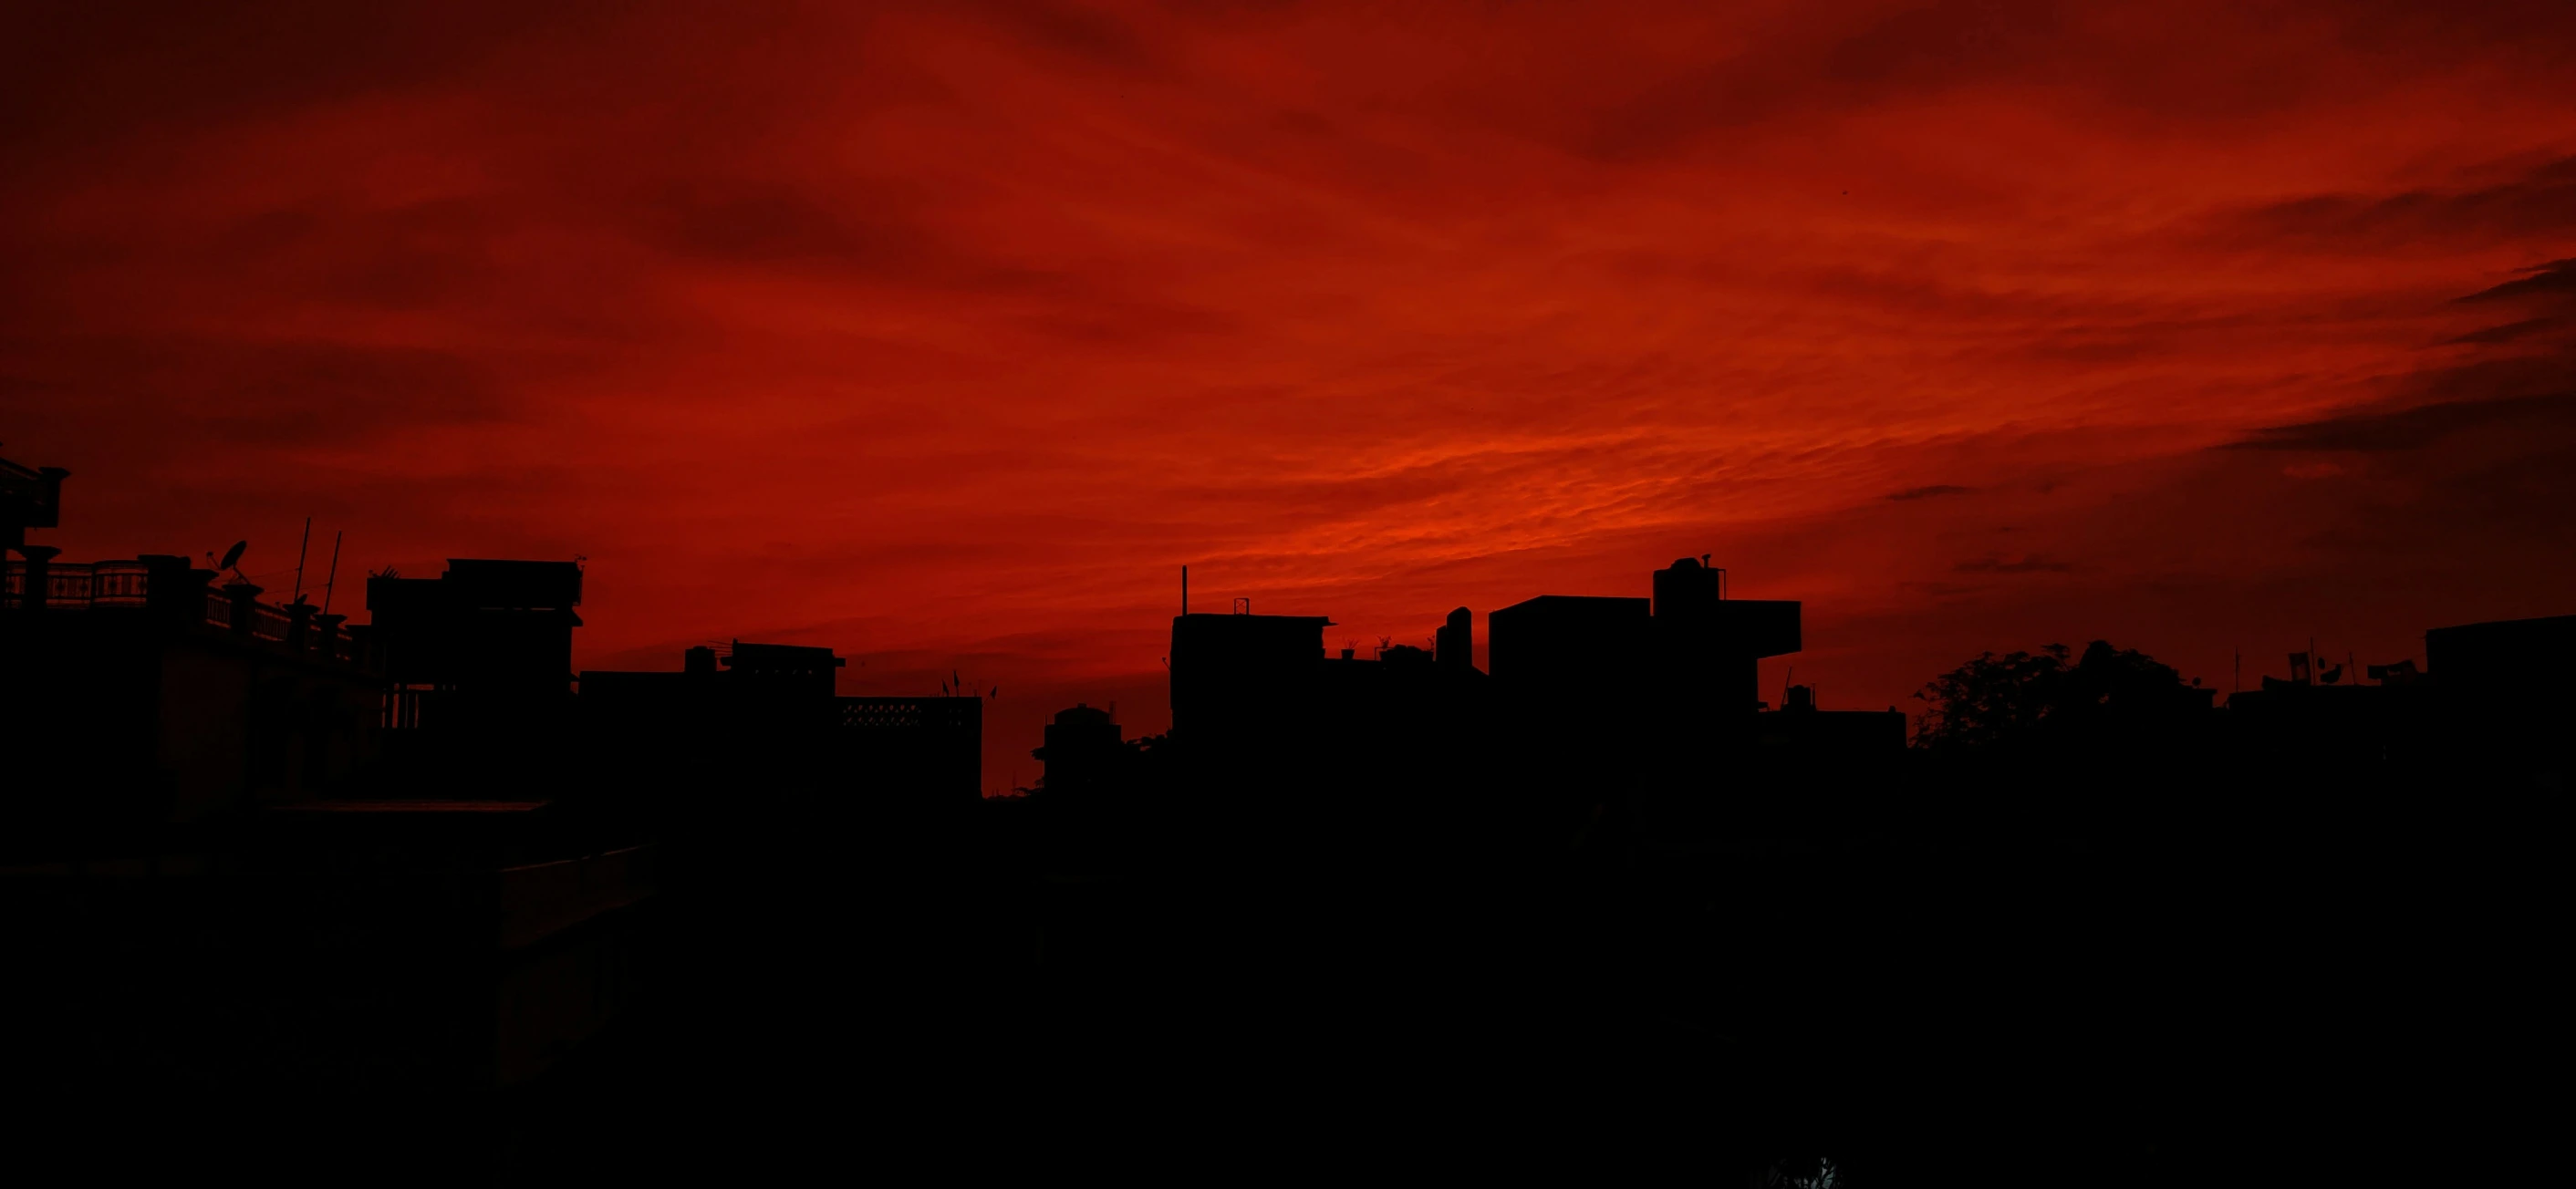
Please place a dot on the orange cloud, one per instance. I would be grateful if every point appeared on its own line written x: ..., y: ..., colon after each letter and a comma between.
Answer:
x: 945, y: 333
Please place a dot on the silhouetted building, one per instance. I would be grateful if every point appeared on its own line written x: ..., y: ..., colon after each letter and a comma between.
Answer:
x: 1570, y: 647
x: 1244, y: 680
x: 2505, y: 661
x: 1404, y: 738
x: 2509, y: 697
x: 927, y: 748
x: 1833, y: 735
x: 761, y: 698
x: 1455, y: 643
x: 1655, y: 685
x: 785, y: 671
x: 1085, y: 751
x: 435, y: 945
x: 2359, y: 709
x: 486, y: 646
x: 30, y: 497
x: 781, y: 725
x: 152, y: 700
x: 1709, y: 648
x: 189, y: 847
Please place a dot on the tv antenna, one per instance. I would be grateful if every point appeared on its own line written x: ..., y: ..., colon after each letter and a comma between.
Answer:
x: 301, y: 552
x: 333, y: 582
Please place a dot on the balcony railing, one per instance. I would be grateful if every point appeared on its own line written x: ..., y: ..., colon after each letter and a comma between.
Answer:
x: 73, y: 587
x: 911, y: 715
x: 78, y: 586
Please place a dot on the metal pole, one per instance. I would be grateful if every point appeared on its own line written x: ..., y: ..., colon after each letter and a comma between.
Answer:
x: 333, y: 582
x: 300, y: 551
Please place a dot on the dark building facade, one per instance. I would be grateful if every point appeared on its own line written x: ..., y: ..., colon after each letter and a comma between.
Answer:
x: 1583, y: 690
x: 1570, y: 647
x: 1242, y: 675
x: 157, y: 701
x: 2489, y: 710
x: 782, y: 726
x: 1800, y: 726
x: 1454, y: 645
x: 1708, y: 648
x: 926, y: 748
x: 30, y: 497
x: 195, y: 846
x: 443, y: 946
x: 1638, y: 690
x: 1085, y: 751
x: 486, y: 645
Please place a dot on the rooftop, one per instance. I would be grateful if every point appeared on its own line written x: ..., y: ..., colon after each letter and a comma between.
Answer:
x: 475, y: 807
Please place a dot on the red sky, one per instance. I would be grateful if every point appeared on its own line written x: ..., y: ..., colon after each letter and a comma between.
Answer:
x: 944, y: 333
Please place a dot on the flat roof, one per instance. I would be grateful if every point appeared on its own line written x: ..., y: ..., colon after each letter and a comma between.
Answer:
x: 1623, y: 604
x: 1199, y: 616
x: 421, y: 806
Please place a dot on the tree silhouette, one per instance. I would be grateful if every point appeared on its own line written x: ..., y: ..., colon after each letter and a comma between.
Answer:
x: 2023, y: 699
x: 1804, y: 1173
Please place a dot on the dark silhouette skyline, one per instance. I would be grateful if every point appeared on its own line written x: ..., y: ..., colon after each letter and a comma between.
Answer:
x: 259, y: 850
x: 1860, y: 594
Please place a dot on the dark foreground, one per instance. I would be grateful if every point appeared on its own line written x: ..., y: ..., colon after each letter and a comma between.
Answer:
x: 2371, y: 999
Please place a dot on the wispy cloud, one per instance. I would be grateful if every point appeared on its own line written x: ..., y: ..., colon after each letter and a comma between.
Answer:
x: 952, y: 330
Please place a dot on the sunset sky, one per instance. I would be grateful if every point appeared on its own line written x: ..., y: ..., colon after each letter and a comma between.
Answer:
x: 943, y: 334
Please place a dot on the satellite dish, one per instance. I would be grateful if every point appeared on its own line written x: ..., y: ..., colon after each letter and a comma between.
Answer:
x: 232, y: 556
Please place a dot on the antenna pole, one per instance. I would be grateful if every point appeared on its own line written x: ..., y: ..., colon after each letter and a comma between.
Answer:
x: 300, y: 552
x: 332, y: 583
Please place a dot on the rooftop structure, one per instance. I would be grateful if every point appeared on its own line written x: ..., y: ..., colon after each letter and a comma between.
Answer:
x: 1231, y: 672
x: 780, y: 722
x: 486, y: 642
x: 30, y: 497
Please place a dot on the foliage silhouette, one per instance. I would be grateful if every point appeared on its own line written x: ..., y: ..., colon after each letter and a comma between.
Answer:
x: 2023, y: 699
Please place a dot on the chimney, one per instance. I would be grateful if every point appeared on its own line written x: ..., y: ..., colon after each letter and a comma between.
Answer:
x: 299, y: 625
x: 329, y: 641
